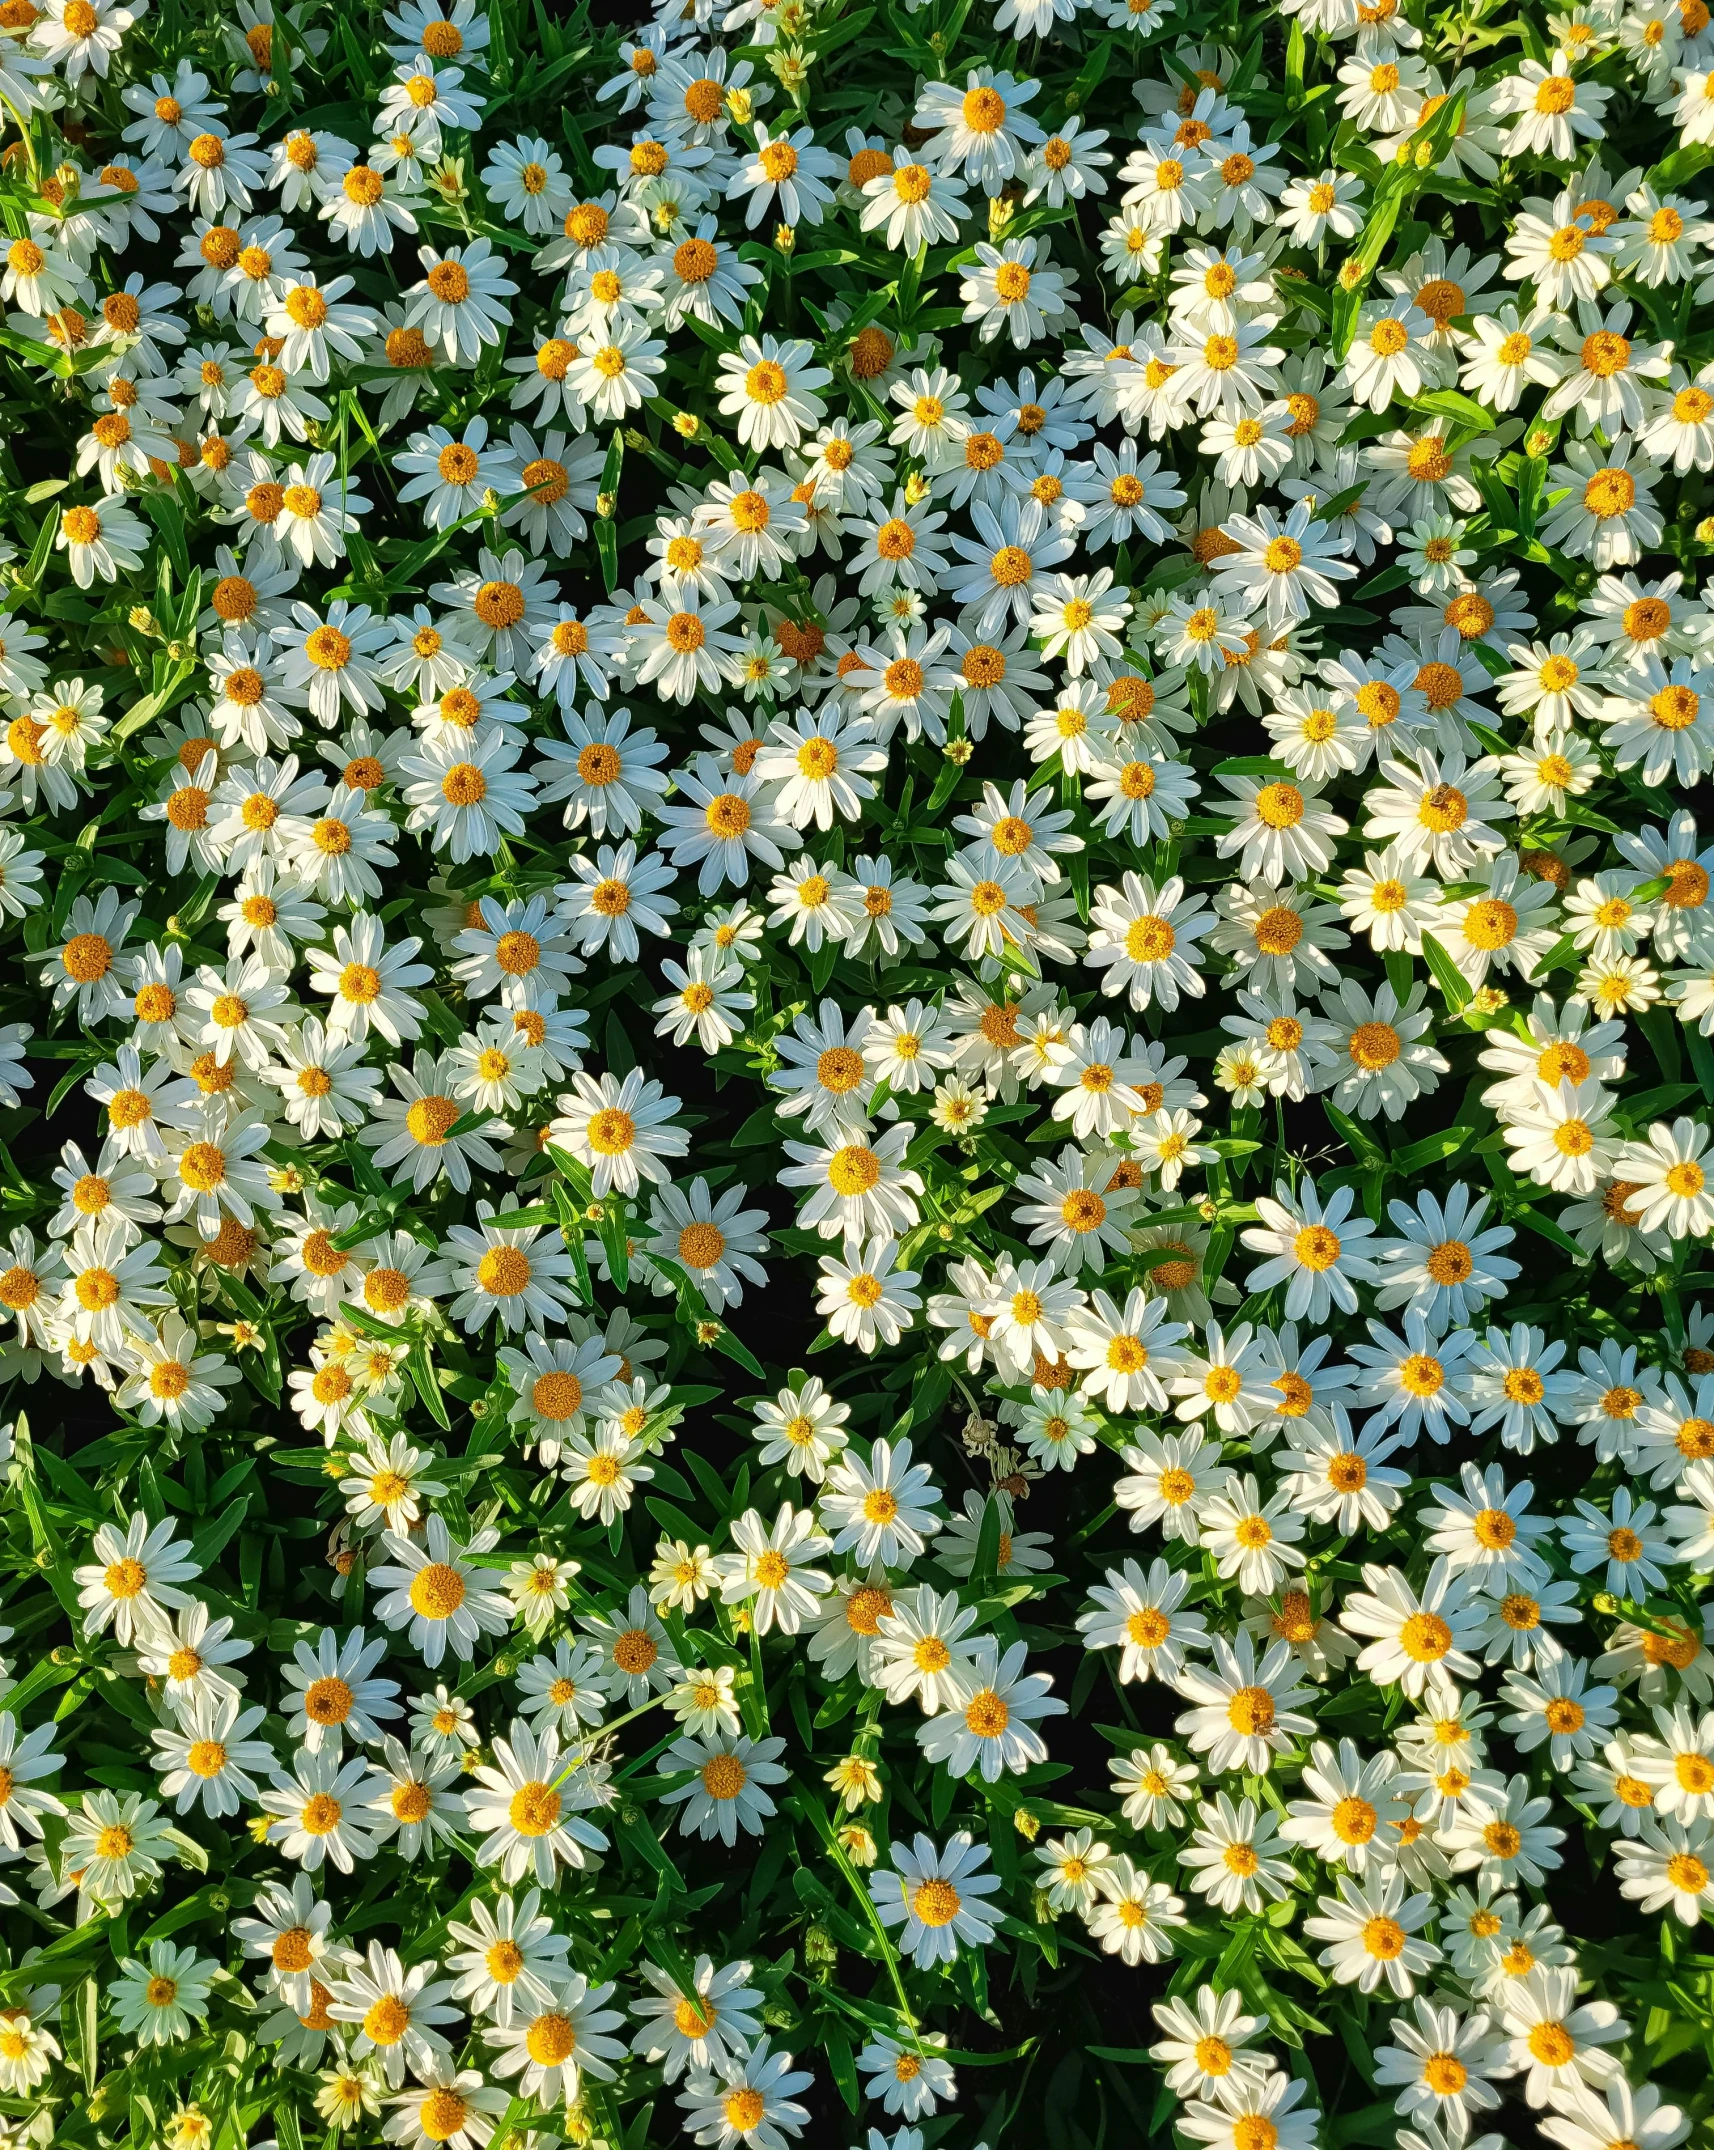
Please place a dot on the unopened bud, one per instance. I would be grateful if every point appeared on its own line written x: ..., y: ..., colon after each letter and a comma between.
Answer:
x: 789, y: 67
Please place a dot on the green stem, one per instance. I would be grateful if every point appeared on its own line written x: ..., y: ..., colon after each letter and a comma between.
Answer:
x: 29, y: 143
x: 830, y: 1837
x: 600, y: 1731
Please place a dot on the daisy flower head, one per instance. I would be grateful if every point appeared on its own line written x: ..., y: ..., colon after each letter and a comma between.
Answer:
x: 984, y: 130
x: 1316, y: 1250
x: 436, y: 1596
x: 620, y: 1131
x: 1420, y: 1638
x: 937, y: 1897
x: 747, y: 2098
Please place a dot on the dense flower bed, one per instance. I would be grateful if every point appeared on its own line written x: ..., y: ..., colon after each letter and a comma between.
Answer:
x: 856, y: 1057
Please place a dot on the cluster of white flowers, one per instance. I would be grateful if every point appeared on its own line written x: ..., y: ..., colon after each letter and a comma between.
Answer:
x: 513, y: 640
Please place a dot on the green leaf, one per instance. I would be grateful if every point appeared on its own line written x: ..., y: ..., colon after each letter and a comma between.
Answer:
x: 987, y: 1556
x: 421, y: 1369
x: 42, y: 550
x: 606, y: 525
x: 1657, y: 1103
x: 1701, y: 1059
x: 1682, y: 166
x: 168, y: 518
x: 1452, y: 403
x: 1563, y: 955
x: 762, y: 1126
x: 1545, y: 1228
x: 1432, y: 1149
x: 733, y: 1347
x: 1454, y: 986
x: 843, y: 2064
x: 1357, y: 1139
x: 210, y: 1539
